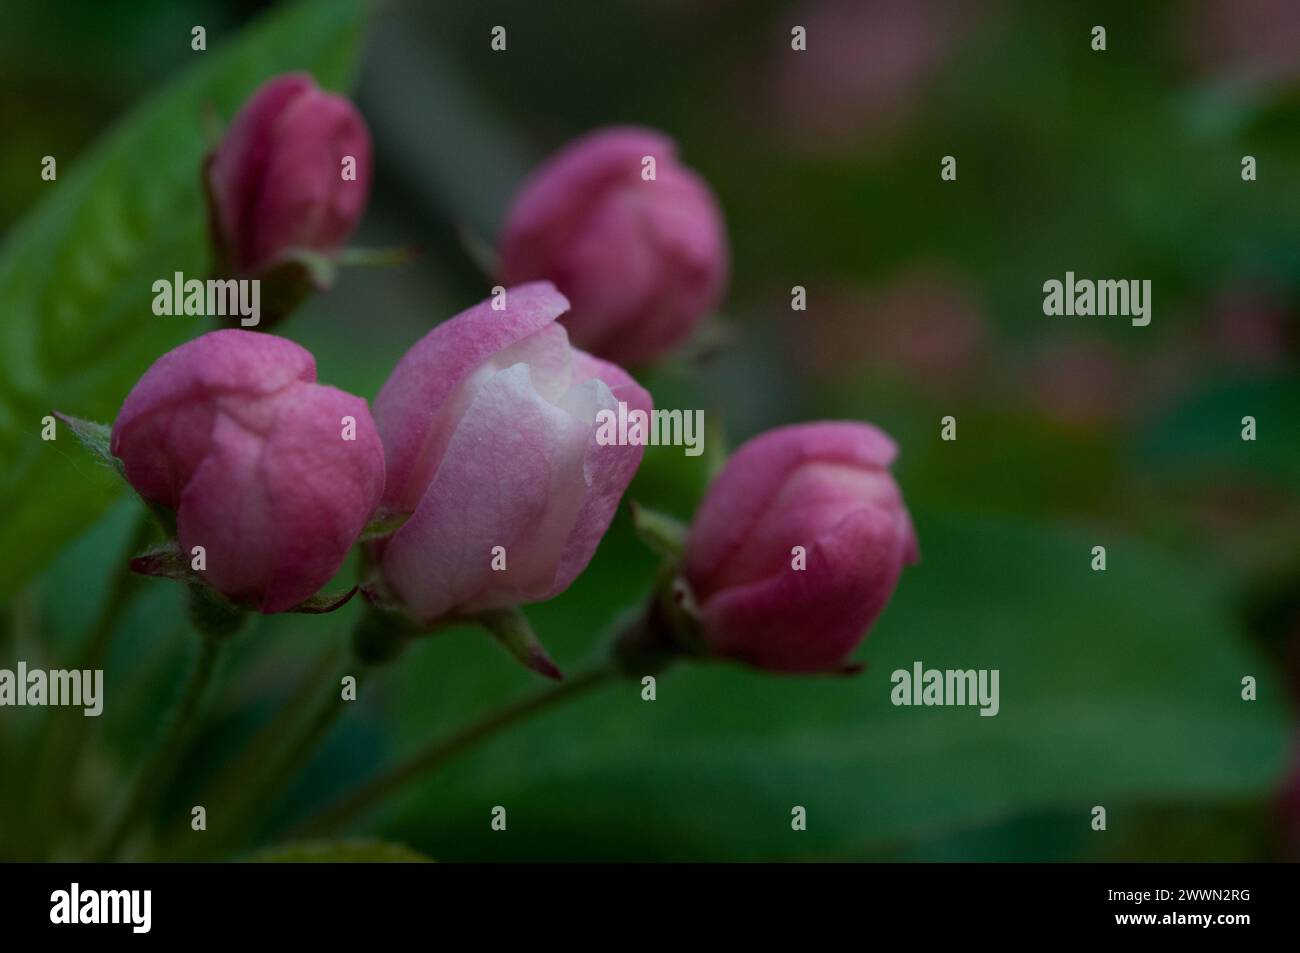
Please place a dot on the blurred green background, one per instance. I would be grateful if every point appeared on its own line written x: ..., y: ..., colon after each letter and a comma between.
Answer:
x: 1120, y: 689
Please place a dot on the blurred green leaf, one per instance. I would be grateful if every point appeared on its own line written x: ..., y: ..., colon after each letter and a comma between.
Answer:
x: 1201, y: 438
x: 348, y: 851
x: 1116, y: 688
x: 76, y: 275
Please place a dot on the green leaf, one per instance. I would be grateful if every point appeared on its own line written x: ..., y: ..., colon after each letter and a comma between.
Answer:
x: 343, y: 851
x: 76, y: 274
x: 1201, y: 440
x: 1116, y: 688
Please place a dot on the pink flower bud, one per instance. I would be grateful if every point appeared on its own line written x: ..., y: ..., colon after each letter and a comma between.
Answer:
x: 642, y: 260
x: 264, y: 471
x: 824, y: 487
x: 1080, y: 384
x: 277, y: 178
x: 489, y: 430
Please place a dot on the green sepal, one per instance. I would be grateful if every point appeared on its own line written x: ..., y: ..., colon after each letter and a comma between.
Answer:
x: 213, y: 614
x: 511, y: 628
x: 95, y: 437
x: 324, y: 602
x: 479, y: 251
x: 167, y: 561
x: 715, y: 446
x: 664, y: 534
x: 376, y: 257
x: 382, y: 527
x: 382, y: 632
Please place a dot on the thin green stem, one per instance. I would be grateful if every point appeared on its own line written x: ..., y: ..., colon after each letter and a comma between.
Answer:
x: 171, y: 745
x: 377, y: 638
x: 439, y: 752
x: 121, y: 588
x: 329, y: 710
x: 232, y: 785
x: 67, y: 731
x: 261, y: 796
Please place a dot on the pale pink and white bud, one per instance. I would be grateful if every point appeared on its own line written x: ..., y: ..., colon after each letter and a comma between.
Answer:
x: 489, y: 425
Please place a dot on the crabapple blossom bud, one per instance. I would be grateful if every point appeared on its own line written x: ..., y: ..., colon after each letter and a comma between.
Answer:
x: 232, y: 431
x: 292, y: 172
x: 798, y: 546
x: 489, y: 431
x: 633, y: 239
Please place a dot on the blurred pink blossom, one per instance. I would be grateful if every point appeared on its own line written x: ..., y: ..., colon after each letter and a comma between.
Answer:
x: 1244, y: 40
x: 925, y: 326
x: 866, y: 68
x: 1251, y: 329
x: 1080, y: 383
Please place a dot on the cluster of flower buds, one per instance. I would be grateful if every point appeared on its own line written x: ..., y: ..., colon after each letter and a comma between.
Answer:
x: 480, y: 484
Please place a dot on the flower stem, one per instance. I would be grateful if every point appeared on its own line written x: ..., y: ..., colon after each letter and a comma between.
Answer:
x: 170, y: 746
x: 264, y: 795
x: 272, y: 738
x: 66, y: 736
x: 376, y: 639
x: 437, y: 753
